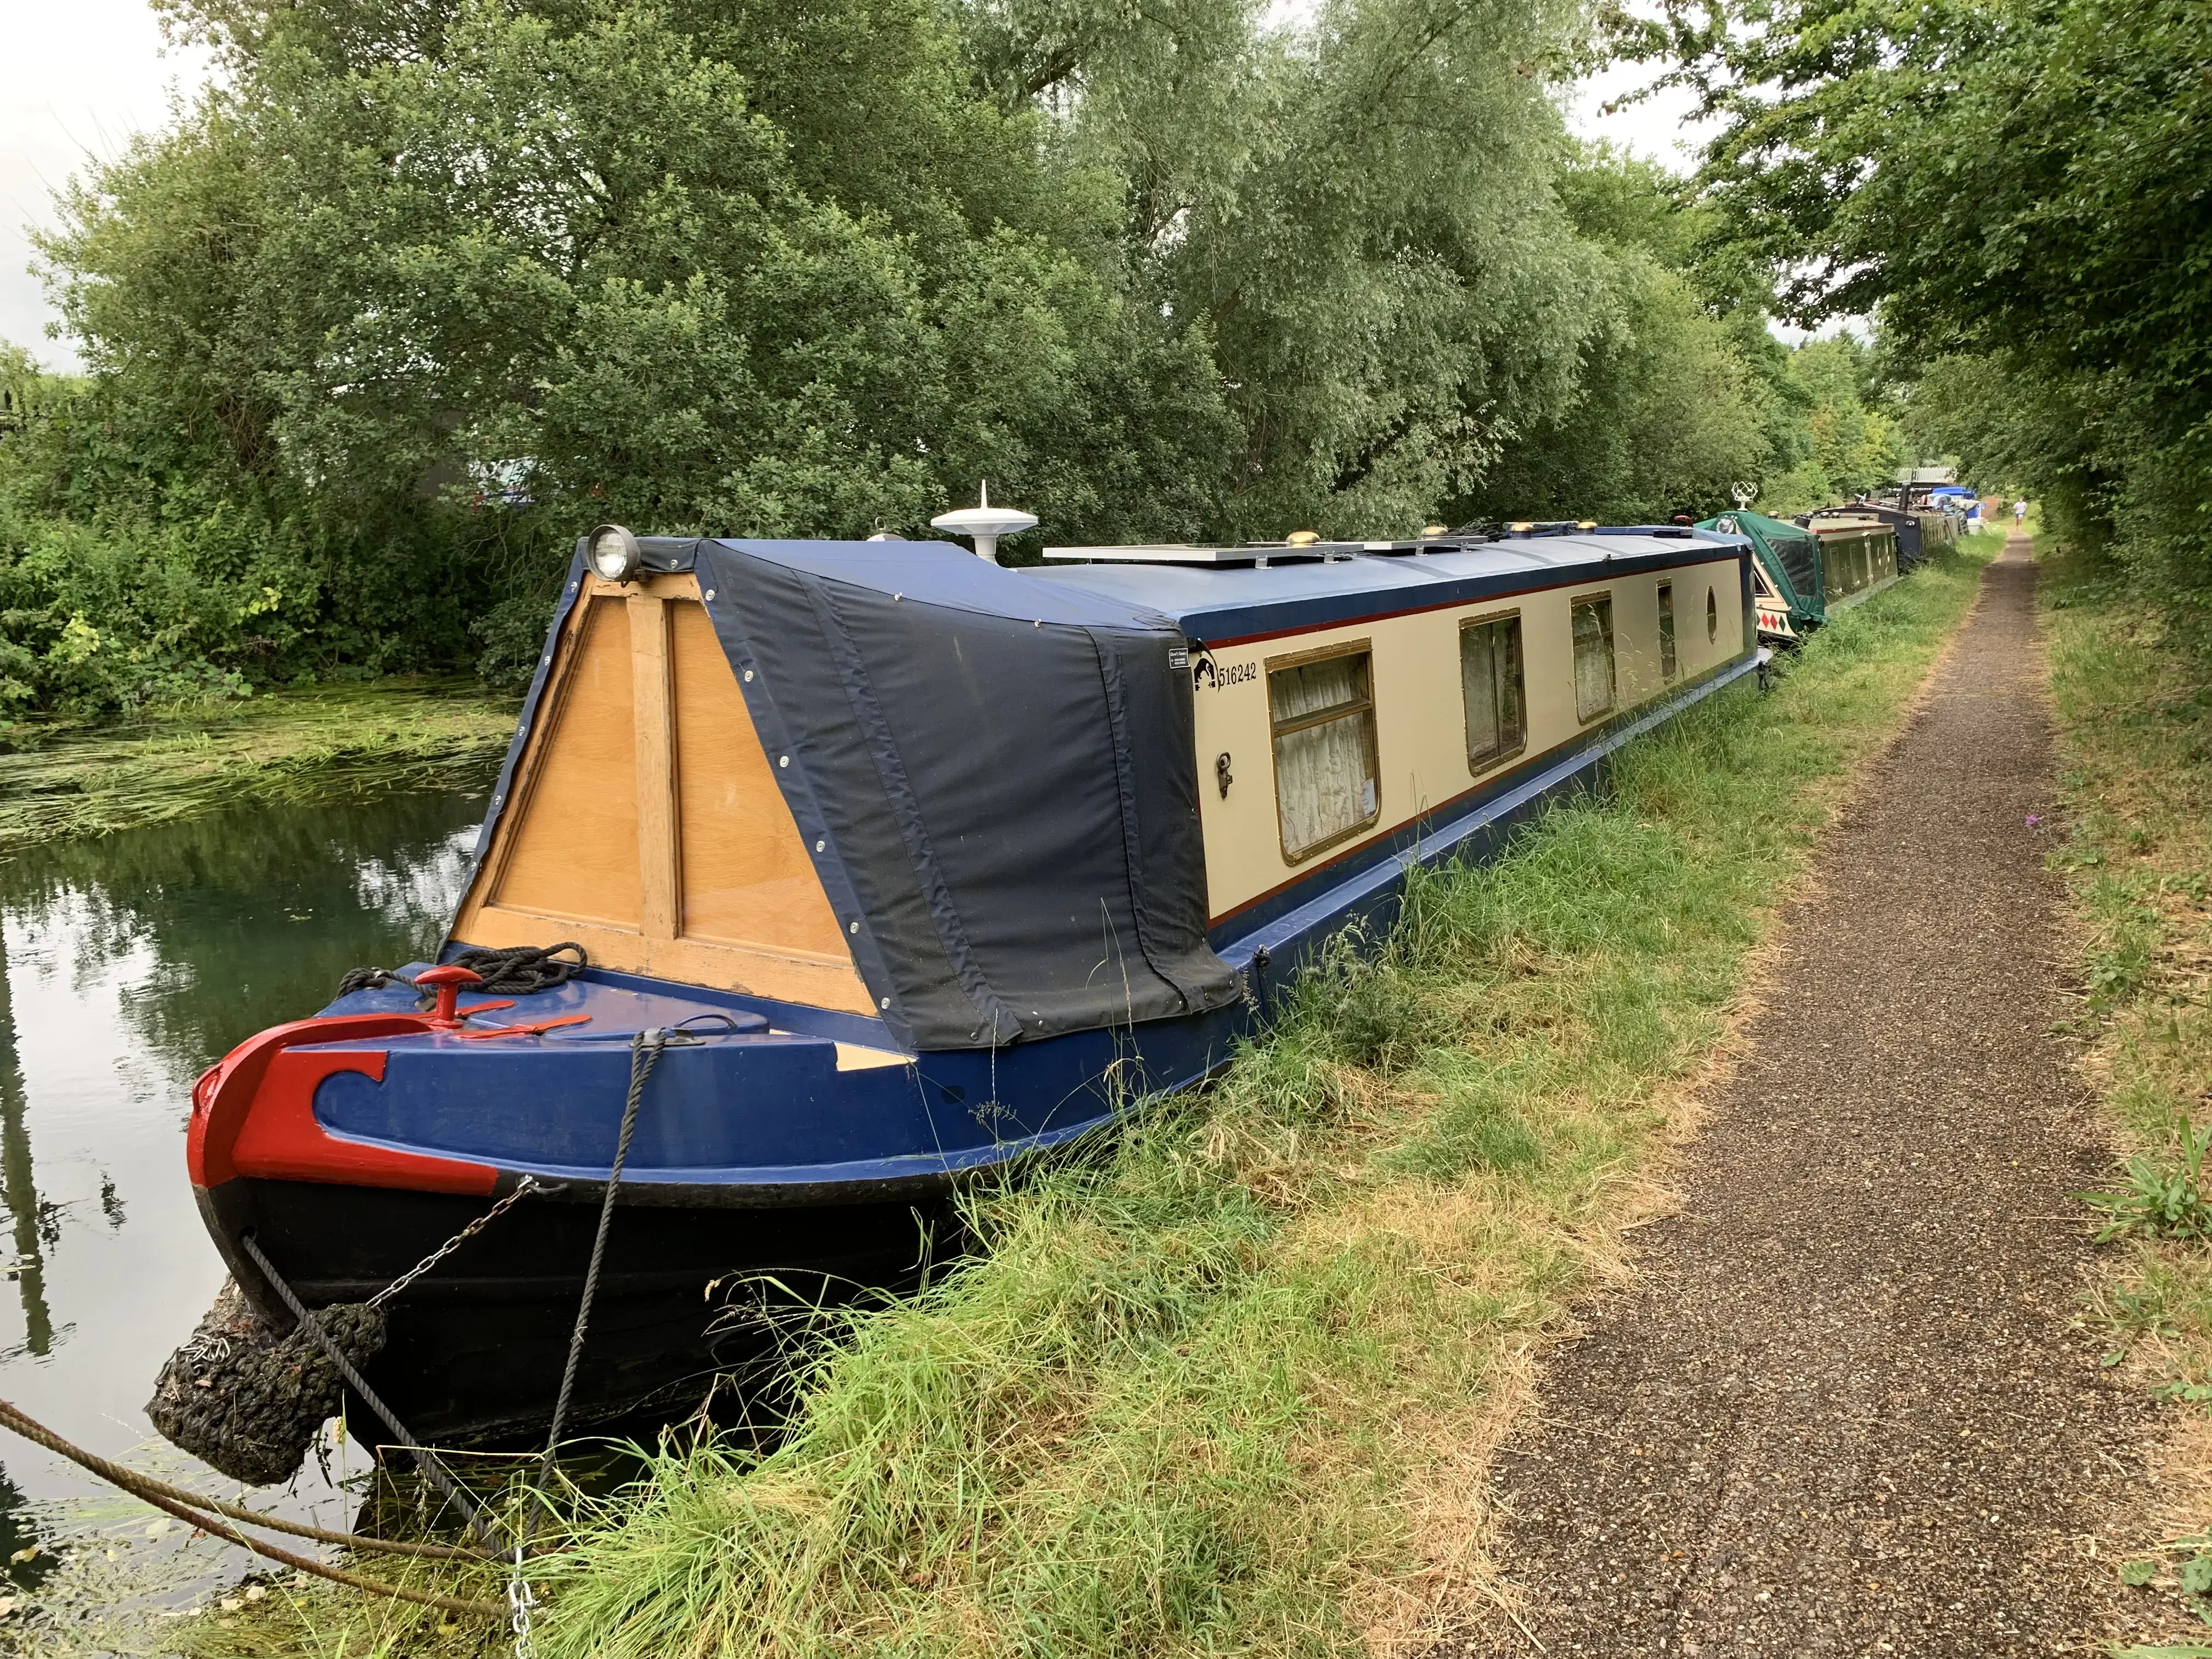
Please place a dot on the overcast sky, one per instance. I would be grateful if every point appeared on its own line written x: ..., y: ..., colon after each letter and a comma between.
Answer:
x: 82, y: 76
x: 85, y: 75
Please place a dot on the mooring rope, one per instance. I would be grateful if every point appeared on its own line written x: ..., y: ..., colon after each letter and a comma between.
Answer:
x: 425, y: 1459
x: 644, y: 1054
x: 521, y: 970
x: 146, y: 1486
x: 193, y: 1509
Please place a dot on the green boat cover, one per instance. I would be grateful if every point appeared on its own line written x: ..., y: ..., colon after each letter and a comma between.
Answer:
x: 1790, y: 554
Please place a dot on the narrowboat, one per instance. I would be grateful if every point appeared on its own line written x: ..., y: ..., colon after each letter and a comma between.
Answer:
x: 1787, y: 589
x: 1858, y: 555
x: 1801, y: 572
x: 1920, y: 532
x: 921, y: 867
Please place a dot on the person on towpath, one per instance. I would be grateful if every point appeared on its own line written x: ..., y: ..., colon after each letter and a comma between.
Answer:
x: 2019, y: 512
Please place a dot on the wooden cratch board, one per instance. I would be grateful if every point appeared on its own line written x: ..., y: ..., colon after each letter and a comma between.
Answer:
x: 646, y: 822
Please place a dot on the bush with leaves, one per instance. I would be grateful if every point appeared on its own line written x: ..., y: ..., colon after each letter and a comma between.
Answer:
x: 2021, y: 187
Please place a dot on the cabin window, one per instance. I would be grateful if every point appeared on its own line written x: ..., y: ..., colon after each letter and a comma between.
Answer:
x: 1593, y: 632
x: 1713, y: 617
x: 1490, y: 686
x: 1666, y: 662
x: 1326, y: 783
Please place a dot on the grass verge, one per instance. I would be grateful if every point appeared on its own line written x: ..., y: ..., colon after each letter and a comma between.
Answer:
x: 2135, y: 727
x: 1230, y: 1387
x: 323, y: 745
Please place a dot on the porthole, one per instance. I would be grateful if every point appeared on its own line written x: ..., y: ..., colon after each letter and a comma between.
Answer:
x: 1712, y: 616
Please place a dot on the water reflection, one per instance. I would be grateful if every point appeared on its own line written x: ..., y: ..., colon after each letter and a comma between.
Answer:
x: 234, y: 922
x: 127, y: 965
x: 17, y: 1187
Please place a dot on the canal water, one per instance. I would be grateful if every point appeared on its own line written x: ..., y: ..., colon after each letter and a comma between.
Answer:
x: 133, y: 962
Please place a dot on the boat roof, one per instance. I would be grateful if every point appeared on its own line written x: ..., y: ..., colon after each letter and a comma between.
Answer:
x: 1228, y: 596
x: 1218, y: 595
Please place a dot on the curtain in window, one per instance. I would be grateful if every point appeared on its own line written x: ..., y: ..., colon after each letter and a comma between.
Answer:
x: 1593, y: 621
x: 1667, y: 661
x: 1325, y: 774
x: 1490, y: 685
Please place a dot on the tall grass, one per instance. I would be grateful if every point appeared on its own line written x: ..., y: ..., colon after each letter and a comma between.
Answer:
x: 2134, y: 702
x: 1227, y: 1385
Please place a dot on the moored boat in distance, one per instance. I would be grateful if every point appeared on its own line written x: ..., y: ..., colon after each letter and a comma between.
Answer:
x: 1858, y: 555
x: 921, y: 867
x: 1803, y: 572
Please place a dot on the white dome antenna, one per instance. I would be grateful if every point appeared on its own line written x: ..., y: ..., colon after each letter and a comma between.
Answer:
x: 984, y: 523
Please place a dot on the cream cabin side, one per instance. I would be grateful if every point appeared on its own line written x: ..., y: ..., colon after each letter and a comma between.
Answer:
x: 1427, y: 703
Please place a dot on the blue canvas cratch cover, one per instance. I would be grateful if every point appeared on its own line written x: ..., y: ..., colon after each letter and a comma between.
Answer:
x: 995, y: 773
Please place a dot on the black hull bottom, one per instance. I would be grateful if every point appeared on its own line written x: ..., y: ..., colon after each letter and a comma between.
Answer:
x: 686, y: 1296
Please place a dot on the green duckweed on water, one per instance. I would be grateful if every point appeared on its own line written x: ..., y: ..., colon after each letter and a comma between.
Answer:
x: 329, y: 743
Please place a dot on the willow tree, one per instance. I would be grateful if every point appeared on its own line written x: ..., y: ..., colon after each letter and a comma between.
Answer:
x: 1356, y: 205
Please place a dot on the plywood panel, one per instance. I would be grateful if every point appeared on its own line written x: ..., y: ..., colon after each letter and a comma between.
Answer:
x: 747, y: 877
x: 814, y: 981
x: 575, y: 847
x: 585, y: 855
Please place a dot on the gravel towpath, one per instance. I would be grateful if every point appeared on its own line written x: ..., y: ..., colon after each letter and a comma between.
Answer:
x: 1842, y: 1408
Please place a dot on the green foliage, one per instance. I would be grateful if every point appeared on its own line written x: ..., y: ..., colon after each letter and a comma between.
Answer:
x: 1682, y: 310
x: 1633, y: 448
x: 2019, y: 187
x: 1850, y: 446
x: 407, y: 300
x: 1358, y: 211
x: 2162, y: 1199
x: 2135, y: 734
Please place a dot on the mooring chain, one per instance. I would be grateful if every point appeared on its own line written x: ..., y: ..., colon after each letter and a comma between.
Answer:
x: 520, y: 1602
x: 425, y: 1459
x: 528, y: 1184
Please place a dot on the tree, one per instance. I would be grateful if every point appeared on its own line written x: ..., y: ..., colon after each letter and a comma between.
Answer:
x: 570, y: 238
x: 415, y: 294
x: 2028, y: 183
x: 1358, y: 209
x: 1680, y: 392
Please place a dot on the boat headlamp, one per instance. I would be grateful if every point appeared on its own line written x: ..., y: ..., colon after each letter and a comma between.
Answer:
x: 614, y: 553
